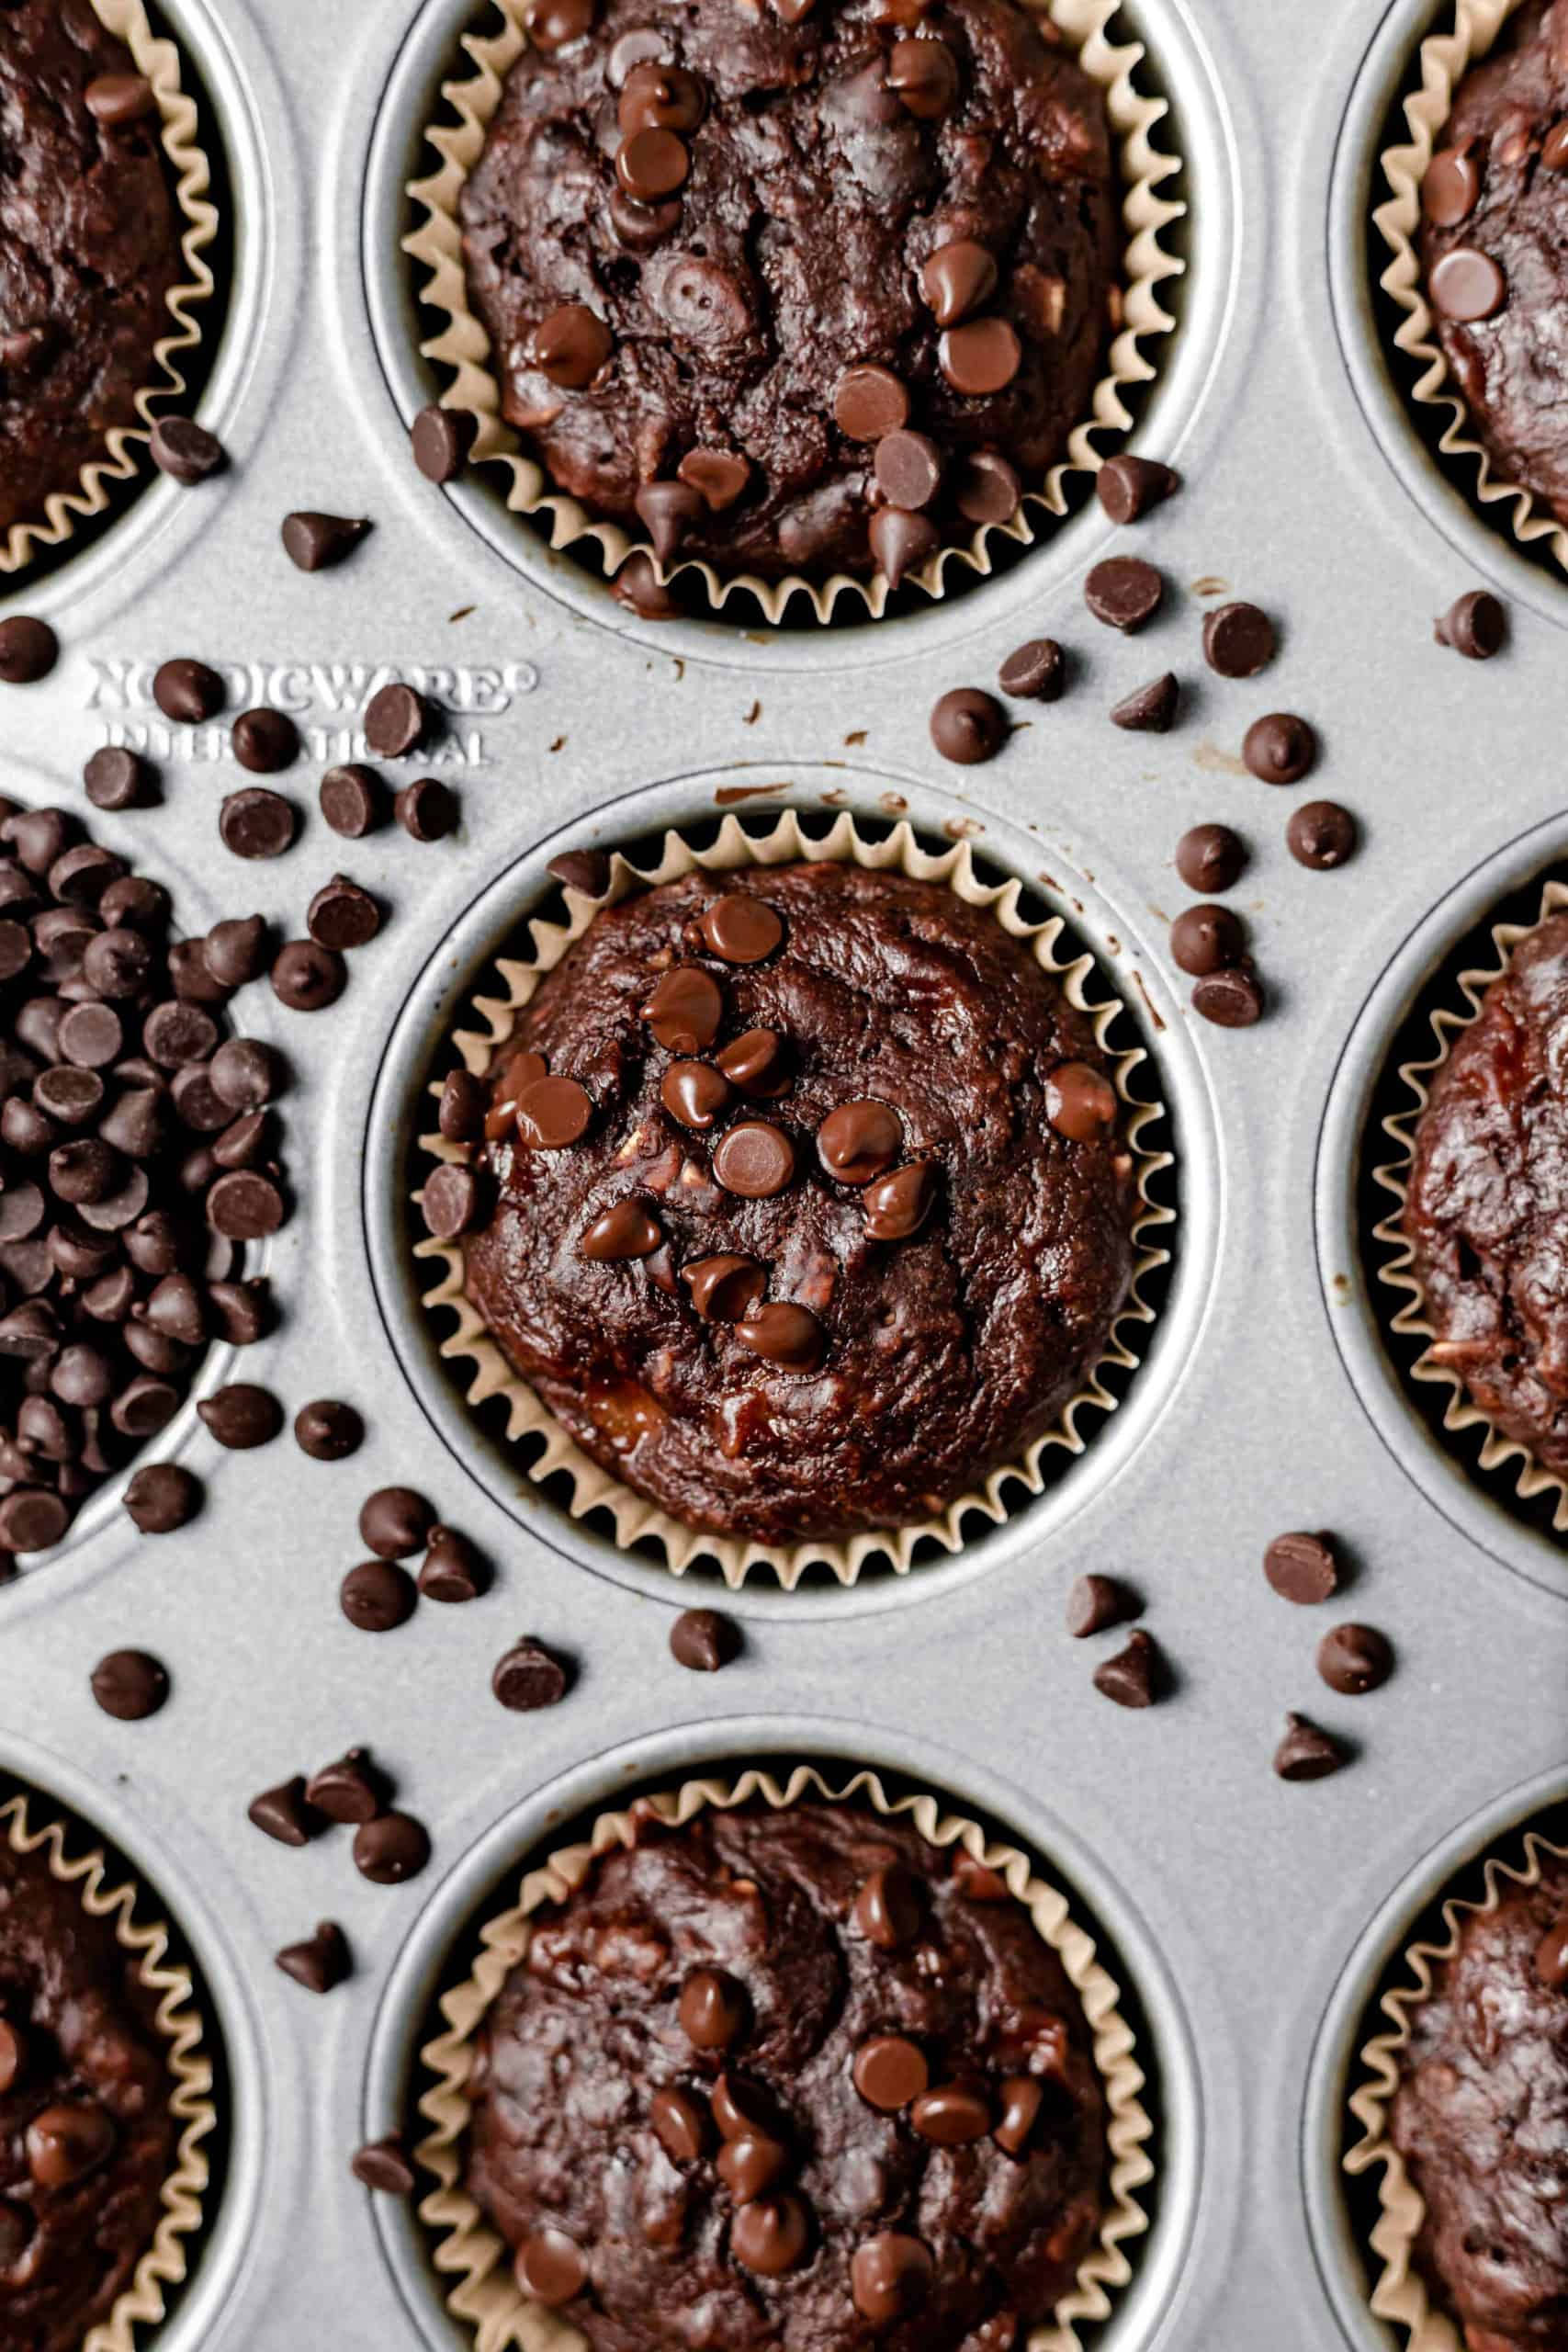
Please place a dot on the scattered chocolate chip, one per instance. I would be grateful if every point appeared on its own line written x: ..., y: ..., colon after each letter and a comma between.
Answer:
x: 1231, y: 999
x: 116, y: 778
x: 1320, y: 834
x: 587, y: 870
x: 185, y: 450
x: 1307, y: 1753
x: 1280, y: 748
x: 242, y: 1415
x: 283, y: 1815
x: 1207, y: 939
x: 754, y: 1159
x: 342, y: 915
x: 351, y: 800
x: 397, y: 720
x: 452, y: 1571
x: 234, y: 951
x: 984, y: 487
x: 29, y: 649
x: 464, y: 1102
x: 1475, y: 626
x: 242, y: 1205
x: 161, y: 1497
x: 1238, y: 641
x: 316, y: 542
x: 426, y: 810
x: 982, y: 356
x: 1209, y: 858
x: 1151, y: 709
x: 377, y: 1595
x: 705, y: 1640
x: 1098, y: 1602
x: 1132, y: 1678
x: 442, y: 439
x: 308, y: 978
x: 187, y: 692
x: 392, y: 1848
x: 1354, y: 1659
x: 869, y: 401
x: 130, y: 1685
x: 529, y: 1676
x: 1124, y: 593
x: 1036, y: 672
x: 256, y: 822
x: 907, y: 469
x: 383, y: 2165
x: 328, y: 1430
x: 1450, y: 188
x: 348, y: 1789
x: 1301, y: 1569
x: 1129, y: 486
x: 320, y: 1963
x: 968, y: 726
x: 394, y: 1522
x: 265, y: 741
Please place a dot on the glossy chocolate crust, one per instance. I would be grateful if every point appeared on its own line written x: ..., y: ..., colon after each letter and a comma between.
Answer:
x: 945, y: 1353
x: 89, y: 249
x: 1512, y: 368
x: 813, y: 200
x: 1485, y: 1208
x: 70, y: 1994
x: 588, y: 2030
x: 1481, y: 2121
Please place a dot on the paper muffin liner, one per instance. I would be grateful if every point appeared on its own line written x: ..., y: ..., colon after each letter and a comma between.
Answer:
x: 1445, y: 60
x: 1401, y: 2294
x: 487, y: 2297
x: 635, y: 1517
x: 1398, y: 1273
x: 65, y: 510
x: 463, y: 347
x: 28, y: 1828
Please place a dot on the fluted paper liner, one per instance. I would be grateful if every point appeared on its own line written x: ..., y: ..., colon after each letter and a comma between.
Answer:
x: 1398, y: 1272
x: 28, y: 1828
x: 1402, y: 2294
x: 1446, y: 58
x: 463, y: 347
x: 634, y: 1516
x: 487, y: 2296
x: 159, y: 60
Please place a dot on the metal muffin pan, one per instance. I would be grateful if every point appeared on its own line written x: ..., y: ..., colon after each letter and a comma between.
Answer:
x: 1238, y: 1907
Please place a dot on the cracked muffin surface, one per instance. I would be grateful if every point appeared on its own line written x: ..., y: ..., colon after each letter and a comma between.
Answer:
x: 705, y: 243
x: 89, y: 247
x: 791, y: 2078
x: 810, y: 1200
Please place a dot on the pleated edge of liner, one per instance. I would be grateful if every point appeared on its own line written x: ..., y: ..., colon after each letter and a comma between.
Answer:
x: 1397, y: 1273
x: 100, y: 477
x: 636, y: 1518
x: 488, y: 2297
x: 463, y: 344
x: 178, y: 2020
x: 1401, y: 2294
x: 1445, y: 57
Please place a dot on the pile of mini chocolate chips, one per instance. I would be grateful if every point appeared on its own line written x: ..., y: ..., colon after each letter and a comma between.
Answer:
x: 137, y: 1156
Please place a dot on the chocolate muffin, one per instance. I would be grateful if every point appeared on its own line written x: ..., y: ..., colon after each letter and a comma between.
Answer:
x: 798, y: 290
x: 1495, y: 230
x: 89, y: 247
x: 1479, y: 2120
x: 1484, y: 1213
x: 86, y: 2135
x: 809, y: 1200
x: 795, y: 2079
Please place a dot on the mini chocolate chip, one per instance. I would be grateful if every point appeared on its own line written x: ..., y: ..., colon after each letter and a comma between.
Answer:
x: 31, y: 1518
x: 162, y: 1496
x: 1098, y: 1602
x: 1238, y: 641
x: 426, y: 810
x: 1129, y: 486
x: 256, y: 822
x: 705, y: 1640
x: 1036, y: 672
x: 397, y: 720
x: 67, y: 2141
x: 968, y: 726
x: 185, y: 450
x: 130, y: 1685
x: 1124, y: 593
x: 891, y: 2276
x: 651, y: 166
x: 29, y: 649
x: 1211, y: 858
x: 925, y: 75
x: 1280, y: 748
x: 529, y: 1676
x: 321, y: 1961
x: 1231, y: 999
x: 1151, y: 709
x: 1476, y: 625
x: 307, y: 977
x: 392, y: 1848
x: 1132, y: 1678
x: 328, y: 1430
x: 377, y: 1595
x: 316, y: 542
x: 351, y: 800
x: 1301, y: 1569
x: 265, y: 741
x: 394, y: 1522
x: 442, y: 439
x: 1354, y: 1659
x: 1307, y: 1752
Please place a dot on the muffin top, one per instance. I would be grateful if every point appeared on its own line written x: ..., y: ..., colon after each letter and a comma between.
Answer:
x: 89, y: 246
x: 1484, y: 1210
x: 87, y: 2138
x: 1480, y: 2119
x: 811, y: 1205
x: 795, y: 2079
x: 754, y: 278
x: 1495, y: 206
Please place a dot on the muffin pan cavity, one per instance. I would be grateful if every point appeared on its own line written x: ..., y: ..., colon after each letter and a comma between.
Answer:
x: 1175, y: 1235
